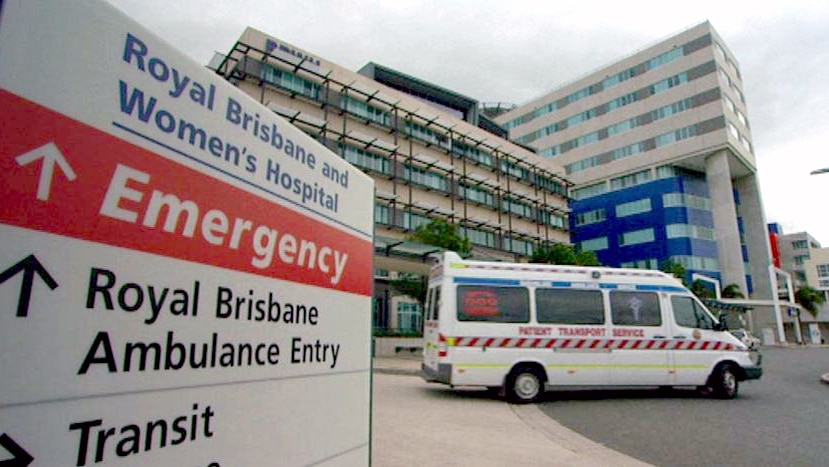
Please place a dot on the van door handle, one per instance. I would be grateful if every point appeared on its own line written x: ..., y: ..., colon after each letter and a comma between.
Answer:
x: 680, y: 337
x: 659, y: 337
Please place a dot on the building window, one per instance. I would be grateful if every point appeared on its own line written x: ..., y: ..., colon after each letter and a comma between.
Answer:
x: 550, y: 185
x: 800, y: 259
x: 425, y: 178
x: 382, y: 214
x: 594, y: 244
x: 649, y: 263
x: 511, y: 169
x: 628, y: 181
x: 636, y: 237
x: 672, y: 200
x: 800, y: 244
x: 589, y: 191
x: 516, y: 207
x: 423, y: 134
x: 412, y: 221
x: 477, y: 195
x: 367, y: 160
x: 667, y: 171
x: 474, y: 154
x: 823, y: 270
x: 552, y: 219
x: 634, y: 207
x: 590, y: 217
x: 479, y: 237
x: 364, y: 110
x: 522, y: 247
x: 698, y: 263
x: 690, y: 231
x: 291, y: 82
x: 409, y: 316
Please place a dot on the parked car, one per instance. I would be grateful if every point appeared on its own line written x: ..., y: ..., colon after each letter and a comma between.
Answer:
x: 746, y: 338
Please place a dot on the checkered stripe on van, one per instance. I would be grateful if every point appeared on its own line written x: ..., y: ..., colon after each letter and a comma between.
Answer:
x: 589, y: 344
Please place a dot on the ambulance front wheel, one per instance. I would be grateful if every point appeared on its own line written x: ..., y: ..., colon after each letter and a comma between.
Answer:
x: 724, y: 382
x: 524, y: 385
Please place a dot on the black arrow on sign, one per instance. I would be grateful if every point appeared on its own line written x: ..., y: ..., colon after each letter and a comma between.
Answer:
x: 20, y: 458
x: 29, y: 265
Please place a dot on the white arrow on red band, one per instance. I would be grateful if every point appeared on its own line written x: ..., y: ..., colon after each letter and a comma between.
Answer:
x: 50, y: 154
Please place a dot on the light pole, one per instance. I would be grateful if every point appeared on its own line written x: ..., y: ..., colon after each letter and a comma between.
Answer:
x: 820, y: 171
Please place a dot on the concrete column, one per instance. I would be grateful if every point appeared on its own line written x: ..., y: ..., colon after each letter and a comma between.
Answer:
x: 756, y: 235
x: 724, y: 210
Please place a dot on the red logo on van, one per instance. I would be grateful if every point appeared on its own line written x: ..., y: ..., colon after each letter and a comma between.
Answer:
x: 481, y: 303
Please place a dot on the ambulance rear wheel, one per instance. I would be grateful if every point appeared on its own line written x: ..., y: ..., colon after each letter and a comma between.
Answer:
x: 724, y: 382
x: 524, y: 385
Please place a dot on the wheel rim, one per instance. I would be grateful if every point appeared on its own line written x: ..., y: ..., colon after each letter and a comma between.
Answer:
x: 729, y: 382
x: 527, y: 386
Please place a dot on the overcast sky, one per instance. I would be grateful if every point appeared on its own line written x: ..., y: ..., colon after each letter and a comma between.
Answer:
x: 514, y: 51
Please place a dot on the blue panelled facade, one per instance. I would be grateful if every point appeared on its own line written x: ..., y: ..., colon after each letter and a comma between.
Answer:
x: 650, y: 223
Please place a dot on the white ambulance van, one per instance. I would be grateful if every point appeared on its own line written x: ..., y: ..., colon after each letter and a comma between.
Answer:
x: 522, y: 327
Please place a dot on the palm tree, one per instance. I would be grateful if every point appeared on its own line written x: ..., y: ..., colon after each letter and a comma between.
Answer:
x: 732, y: 291
x: 809, y: 298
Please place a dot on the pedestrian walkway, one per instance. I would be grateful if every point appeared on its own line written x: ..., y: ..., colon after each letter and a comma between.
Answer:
x: 416, y: 423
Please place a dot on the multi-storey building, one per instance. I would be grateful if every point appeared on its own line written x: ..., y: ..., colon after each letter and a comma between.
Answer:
x: 659, y: 148
x: 816, y: 269
x: 430, y: 152
x: 795, y: 250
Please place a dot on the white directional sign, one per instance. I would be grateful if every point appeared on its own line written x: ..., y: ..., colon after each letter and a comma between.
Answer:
x: 185, y: 278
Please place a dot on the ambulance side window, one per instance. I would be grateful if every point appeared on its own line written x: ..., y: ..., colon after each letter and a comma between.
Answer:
x: 635, y: 308
x: 688, y: 313
x: 493, y: 304
x: 569, y: 306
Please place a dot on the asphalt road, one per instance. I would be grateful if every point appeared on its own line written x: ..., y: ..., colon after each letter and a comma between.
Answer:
x: 782, y: 419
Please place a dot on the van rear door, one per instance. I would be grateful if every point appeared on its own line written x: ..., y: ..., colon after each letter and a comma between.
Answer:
x: 431, y: 329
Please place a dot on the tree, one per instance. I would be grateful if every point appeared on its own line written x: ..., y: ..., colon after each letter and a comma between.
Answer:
x: 700, y: 289
x: 676, y: 269
x: 560, y: 253
x: 412, y: 285
x: 557, y: 253
x: 809, y: 298
x: 587, y: 258
x: 442, y: 234
x: 732, y: 291
x: 439, y: 233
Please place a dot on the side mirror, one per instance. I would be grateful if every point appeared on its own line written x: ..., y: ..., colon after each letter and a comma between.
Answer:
x: 721, y: 326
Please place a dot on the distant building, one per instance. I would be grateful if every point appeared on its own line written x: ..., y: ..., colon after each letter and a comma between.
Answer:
x: 795, y: 250
x: 659, y: 147
x: 432, y: 155
x: 801, y: 256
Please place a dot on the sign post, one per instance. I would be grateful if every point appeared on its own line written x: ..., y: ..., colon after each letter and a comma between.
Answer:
x: 185, y: 278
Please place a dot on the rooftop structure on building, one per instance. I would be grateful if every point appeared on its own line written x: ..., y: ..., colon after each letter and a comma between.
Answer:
x: 659, y: 147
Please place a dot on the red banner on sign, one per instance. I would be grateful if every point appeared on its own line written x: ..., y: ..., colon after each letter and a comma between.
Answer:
x: 61, y: 176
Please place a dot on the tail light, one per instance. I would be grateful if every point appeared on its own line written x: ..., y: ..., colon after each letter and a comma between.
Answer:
x: 443, y: 348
